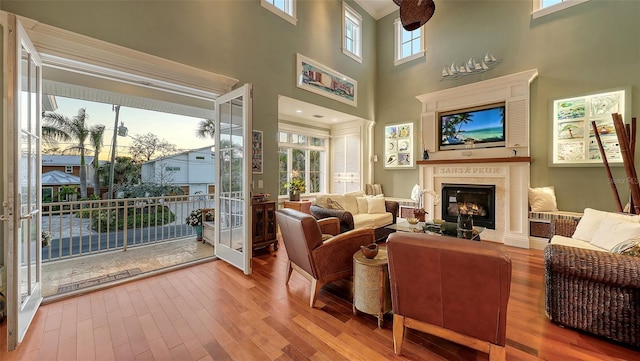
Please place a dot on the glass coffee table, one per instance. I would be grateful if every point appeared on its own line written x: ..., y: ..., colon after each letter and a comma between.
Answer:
x: 428, y: 228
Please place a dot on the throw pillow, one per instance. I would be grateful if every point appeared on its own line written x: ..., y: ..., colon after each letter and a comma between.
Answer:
x: 613, y: 231
x: 623, y: 246
x: 376, y: 205
x: 591, y: 219
x: 363, y: 206
x: 332, y: 204
x: 377, y: 189
x: 633, y: 250
x: 543, y: 199
x: 368, y: 189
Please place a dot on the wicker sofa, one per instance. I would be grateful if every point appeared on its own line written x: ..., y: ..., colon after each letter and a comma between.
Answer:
x: 591, y: 289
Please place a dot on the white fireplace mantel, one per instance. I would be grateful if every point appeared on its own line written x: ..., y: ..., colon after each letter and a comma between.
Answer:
x: 511, y: 180
x: 507, y: 168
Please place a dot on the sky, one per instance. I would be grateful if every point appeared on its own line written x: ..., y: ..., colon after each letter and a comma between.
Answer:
x: 176, y: 129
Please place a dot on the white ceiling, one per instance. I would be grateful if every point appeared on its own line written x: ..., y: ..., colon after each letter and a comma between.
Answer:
x: 378, y: 8
x: 301, y: 112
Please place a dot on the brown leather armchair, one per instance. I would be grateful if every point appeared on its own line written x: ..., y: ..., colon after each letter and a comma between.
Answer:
x: 451, y: 288
x: 319, y: 261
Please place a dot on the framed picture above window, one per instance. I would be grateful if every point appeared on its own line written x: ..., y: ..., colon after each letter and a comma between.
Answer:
x: 319, y: 79
x: 398, y: 146
x: 574, y: 141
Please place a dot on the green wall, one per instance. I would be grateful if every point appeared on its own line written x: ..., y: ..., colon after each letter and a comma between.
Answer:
x: 589, y: 47
x: 236, y: 38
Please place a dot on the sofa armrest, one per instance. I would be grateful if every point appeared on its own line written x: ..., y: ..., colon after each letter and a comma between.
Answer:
x: 591, y: 265
x: 392, y: 207
x: 330, y: 225
x: 334, y: 258
x: 563, y: 227
x: 345, y: 217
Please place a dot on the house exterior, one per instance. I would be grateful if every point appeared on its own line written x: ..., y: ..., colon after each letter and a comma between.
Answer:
x: 53, y: 183
x: 192, y: 170
x: 68, y: 164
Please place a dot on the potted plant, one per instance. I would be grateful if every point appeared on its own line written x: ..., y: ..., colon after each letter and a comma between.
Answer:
x: 46, y: 238
x: 195, y: 220
x: 295, y: 185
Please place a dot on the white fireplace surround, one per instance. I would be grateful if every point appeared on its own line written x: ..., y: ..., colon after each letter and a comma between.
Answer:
x: 488, y: 166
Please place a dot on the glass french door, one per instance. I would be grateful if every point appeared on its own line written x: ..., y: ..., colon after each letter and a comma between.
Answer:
x: 22, y: 175
x: 233, y: 178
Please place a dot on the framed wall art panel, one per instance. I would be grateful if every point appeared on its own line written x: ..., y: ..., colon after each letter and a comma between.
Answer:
x: 319, y: 79
x: 398, y: 146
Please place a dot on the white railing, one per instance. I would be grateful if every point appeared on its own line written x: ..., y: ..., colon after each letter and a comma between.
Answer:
x: 88, y: 227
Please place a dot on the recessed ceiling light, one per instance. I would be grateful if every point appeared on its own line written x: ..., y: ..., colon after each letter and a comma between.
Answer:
x: 298, y: 111
x: 334, y: 119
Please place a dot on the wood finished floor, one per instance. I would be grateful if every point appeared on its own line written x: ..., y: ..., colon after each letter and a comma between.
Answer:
x: 213, y: 312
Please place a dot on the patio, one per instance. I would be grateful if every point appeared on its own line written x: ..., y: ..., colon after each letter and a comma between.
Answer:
x: 90, y: 271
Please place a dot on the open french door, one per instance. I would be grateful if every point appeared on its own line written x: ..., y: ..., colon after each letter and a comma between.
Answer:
x: 233, y: 177
x: 21, y: 192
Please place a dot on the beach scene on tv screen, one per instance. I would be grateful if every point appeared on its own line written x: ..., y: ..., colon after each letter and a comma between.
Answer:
x: 480, y: 126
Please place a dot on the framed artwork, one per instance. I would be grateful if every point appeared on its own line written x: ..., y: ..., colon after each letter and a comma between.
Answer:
x: 256, y: 152
x: 398, y: 146
x: 319, y: 79
x: 574, y: 141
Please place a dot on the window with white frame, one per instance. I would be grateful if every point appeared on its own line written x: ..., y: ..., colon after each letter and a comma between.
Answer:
x: 546, y: 7
x: 68, y: 169
x: 285, y: 9
x: 305, y: 156
x: 351, y: 33
x: 409, y: 44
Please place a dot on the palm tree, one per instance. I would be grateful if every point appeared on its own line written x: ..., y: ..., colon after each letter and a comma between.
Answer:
x: 62, y: 128
x: 96, y: 135
x: 206, y: 129
x: 126, y: 171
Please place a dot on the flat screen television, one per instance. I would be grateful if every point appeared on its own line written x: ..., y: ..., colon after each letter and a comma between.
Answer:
x: 477, y: 127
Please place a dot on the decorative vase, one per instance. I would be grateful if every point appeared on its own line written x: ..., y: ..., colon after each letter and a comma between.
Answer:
x: 294, y: 196
x: 465, y: 226
x: 419, y: 213
x: 425, y: 154
x: 198, y: 233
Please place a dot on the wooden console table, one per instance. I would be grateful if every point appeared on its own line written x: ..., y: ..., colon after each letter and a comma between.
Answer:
x: 302, y: 206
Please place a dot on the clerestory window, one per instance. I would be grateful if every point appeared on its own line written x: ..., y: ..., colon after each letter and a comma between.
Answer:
x: 285, y: 9
x: 409, y: 44
x: 351, y: 33
x: 546, y: 7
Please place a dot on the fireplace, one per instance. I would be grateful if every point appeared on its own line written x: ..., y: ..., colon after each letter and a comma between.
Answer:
x: 475, y: 199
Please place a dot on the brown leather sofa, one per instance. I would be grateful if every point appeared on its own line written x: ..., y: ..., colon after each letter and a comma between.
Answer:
x: 320, y: 261
x: 451, y: 288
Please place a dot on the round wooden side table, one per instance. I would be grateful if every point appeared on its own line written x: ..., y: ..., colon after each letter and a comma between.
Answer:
x: 371, y: 293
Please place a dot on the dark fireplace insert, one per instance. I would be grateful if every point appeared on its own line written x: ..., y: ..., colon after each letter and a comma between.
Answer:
x: 475, y: 199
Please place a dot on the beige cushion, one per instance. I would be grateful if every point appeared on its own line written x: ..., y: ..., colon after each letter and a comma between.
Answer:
x: 376, y: 205
x: 372, y: 220
x: 613, y: 231
x: 590, y: 222
x: 572, y: 242
x: 363, y: 205
x: 542, y: 199
x: 350, y: 203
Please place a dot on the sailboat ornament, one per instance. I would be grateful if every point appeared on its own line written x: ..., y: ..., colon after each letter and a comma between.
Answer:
x: 471, y: 66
